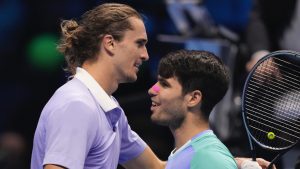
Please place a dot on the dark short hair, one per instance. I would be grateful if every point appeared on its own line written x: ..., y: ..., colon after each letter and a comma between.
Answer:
x: 197, y: 70
x: 80, y: 40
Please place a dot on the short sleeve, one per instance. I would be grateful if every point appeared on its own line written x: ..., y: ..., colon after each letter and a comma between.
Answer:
x: 70, y: 131
x: 131, y: 144
x: 212, y: 160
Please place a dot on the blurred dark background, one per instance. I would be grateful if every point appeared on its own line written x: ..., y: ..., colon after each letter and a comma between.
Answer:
x: 31, y: 68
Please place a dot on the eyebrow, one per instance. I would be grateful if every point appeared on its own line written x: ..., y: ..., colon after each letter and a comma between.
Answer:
x: 160, y: 79
x: 144, y: 41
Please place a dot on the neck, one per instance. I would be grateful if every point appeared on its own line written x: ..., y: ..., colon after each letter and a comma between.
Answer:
x: 191, y: 126
x: 102, y: 72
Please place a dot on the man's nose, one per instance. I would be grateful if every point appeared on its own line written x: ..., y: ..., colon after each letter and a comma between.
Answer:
x: 154, y: 90
x: 145, y: 55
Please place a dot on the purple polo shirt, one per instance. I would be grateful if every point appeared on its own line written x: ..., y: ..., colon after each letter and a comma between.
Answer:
x: 81, y: 127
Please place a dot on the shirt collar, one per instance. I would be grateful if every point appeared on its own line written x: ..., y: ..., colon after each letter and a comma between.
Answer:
x: 197, y: 137
x: 105, y: 101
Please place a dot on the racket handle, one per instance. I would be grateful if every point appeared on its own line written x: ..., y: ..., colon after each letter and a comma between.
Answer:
x: 249, y: 164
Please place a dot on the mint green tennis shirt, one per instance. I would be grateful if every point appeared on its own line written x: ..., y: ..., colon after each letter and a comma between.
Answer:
x: 204, y: 151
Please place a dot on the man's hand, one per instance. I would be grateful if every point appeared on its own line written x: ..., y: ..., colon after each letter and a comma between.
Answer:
x: 262, y: 163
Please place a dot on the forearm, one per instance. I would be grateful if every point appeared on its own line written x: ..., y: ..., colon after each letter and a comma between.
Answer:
x: 147, y: 160
x: 50, y: 166
x: 261, y: 162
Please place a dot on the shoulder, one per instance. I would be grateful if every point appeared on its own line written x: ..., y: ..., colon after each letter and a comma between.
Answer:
x: 209, y: 141
x: 211, y: 160
x: 210, y: 152
x: 73, y: 92
x: 71, y: 99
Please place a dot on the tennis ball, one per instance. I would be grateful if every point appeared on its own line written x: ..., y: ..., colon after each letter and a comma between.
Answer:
x: 271, y: 135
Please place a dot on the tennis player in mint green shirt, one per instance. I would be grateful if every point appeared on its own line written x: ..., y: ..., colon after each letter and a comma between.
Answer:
x: 203, y: 151
x: 190, y: 84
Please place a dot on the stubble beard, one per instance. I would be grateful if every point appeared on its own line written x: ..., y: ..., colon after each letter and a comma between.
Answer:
x: 130, y: 79
x: 173, y: 123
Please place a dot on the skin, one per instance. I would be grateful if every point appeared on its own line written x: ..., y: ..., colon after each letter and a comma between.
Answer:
x: 180, y: 112
x: 263, y: 163
x: 170, y: 107
x: 118, y: 62
x: 168, y: 104
x: 130, y: 52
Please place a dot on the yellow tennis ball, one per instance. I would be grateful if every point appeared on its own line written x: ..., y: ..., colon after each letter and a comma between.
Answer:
x: 271, y: 135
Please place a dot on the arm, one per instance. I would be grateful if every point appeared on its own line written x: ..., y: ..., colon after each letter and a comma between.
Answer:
x: 263, y: 163
x: 53, y: 167
x: 146, y: 160
x: 67, y: 143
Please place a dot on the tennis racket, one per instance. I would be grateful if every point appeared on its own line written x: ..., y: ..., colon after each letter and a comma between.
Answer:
x: 271, y: 103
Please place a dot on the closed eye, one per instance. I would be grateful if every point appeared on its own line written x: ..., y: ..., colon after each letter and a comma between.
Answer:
x: 141, y: 42
x: 163, y: 83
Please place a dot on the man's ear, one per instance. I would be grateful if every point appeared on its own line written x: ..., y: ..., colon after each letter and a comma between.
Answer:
x: 194, y: 98
x: 108, y: 43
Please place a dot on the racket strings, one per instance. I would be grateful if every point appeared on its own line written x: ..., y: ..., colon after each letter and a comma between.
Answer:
x: 269, y: 120
x: 267, y: 113
x: 272, y: 96
x: 271, y: 71
x: 266, y: 76
x: 288, y: 65
x: 276, y: 83
x: 272, y: 103
x: 282, y: 132
x: 266, y: 132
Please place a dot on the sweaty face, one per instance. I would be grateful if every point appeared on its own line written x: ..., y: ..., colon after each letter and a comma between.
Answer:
x: 168, y: 104
x: 131, y: 51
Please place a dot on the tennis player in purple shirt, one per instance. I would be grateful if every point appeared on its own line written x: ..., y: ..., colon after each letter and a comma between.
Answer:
x: 82, y: 126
